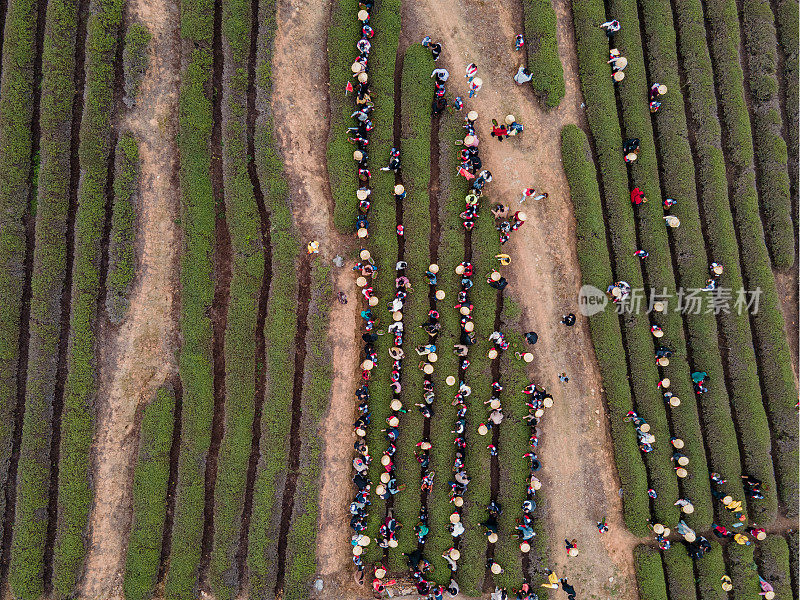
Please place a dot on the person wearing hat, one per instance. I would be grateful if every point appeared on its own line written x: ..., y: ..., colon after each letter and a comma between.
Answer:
x: 394, y: 161
x: 522, y: 76
x: 572, y: 547
x: 518, y: 218
x: 313, y: 247
x: 610, y: 27
x: 727, y: 586
x: 399, y: 192
x: 474, y: 86
x: 657, y: 90
x: 672, y: 221
x: 617, y: 76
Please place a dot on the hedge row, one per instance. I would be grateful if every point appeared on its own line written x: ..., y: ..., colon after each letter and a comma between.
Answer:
x: 344, y: 31
x: 301, y: 550
x: 135, y: 60
x: 789, y: 38
x: 121, y: 249
x: 659, y: 275
x: 451, y: 252
x: 761, y: 57
x: 594, y: 261
x: 679, y: 570
x: 743, y: 572
x: 742, y: 376
x: 383, y: 235
x: 416, y: 98
x: 774, y: 564
x: 774, y: 359
x: 689, y: 253
x: 197, y: 290
x: 48, y: 276
x: 150, y: 480
x: 603, y: 121
x: 542, y: 47
x: 709, y: 571
x: 650, y: 574
x: 282, y: 311
x: 77, y: 421
x: 247, y: 272
x: 16, y: 116
x: 794, y: 563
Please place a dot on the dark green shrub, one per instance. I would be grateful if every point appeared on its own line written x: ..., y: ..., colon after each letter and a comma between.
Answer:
x: 121, y: 249
x: 542, y: 47
x: 743, y: 572
x: 649, y: 573
x: 150, y: 479
x: 709, y: 571
x: 135, y: 60
x: 786, y: 22
x: 680, y: 574
x: 773, y: 564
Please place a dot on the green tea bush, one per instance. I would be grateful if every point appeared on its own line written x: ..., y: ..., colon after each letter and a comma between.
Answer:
x: 773, y: 564
x: 542, y: 47
x: 77, y: 420
x: 709, y: 571
x: 649, y: 573
x: 121, y: 244
x: 135, y: 60
x: 787, y: 25
x: 150, y: 480
x: 742, y: 570
x: 680, y: 574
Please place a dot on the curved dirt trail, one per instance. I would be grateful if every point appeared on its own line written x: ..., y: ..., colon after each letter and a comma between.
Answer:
x: 138, y: 357
x: 580, y: 482
x: 300, y: 103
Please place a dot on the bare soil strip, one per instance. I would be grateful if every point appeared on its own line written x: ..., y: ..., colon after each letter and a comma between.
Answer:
x: 139, y: 356
x: 295, y: 441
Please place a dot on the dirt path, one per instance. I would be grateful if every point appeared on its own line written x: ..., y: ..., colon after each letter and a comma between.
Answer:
x: 300, y: 99
x: 138, y: 357
x: 579, y: 476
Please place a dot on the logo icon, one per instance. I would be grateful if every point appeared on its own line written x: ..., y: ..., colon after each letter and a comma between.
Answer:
x: 591, y: 300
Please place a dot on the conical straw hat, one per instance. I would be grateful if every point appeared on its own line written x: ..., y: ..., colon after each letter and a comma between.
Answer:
x: 455, y: 517
x: 363, y: 77
x: 688, y: 509
x: 665, y: 382
x: 469, y: 140
x: 663, y: 361
x: 482, y: 429
x: 658, y: 306
x: 525, y: 547
x: 527, y: 357
x: 394, y: 421
x: 392, y: 543
x: 455, y: 554
x: 399, y: 189
x: 689, y: 536
x: 357, y: 155
x: 619, y: 76
x: 495, y: 276
x: 472, y: 115
x: 396, y: 404
x: 662, y: 89
x: 367, y: 365
x: 727, y: 500
x: 450, y: 380
x: 361, y: 281
x: 681, y: 472
x: 363, y: 15
x: 428, y: 368
x: 674, y: 401
x: 622, y: 62
x: 380, y: 572
x: 678, y: 443
x: 644, y: 427
x: 658, y: 528
x: 536, y: 484
x: 362, y: 195
x: 522, y: 216
x: 357, y: 550
x: 658, y: 333
x: 362, y: 232
x: 495, y: 404
x: 364, y: 541
x: 385, y: 460
x: 464, y: 310
x: 469, y: 326
x: 496, y: 569
x: 510, y: 119
x: 538, y: 413
x: 373, y: 301
x: 364, y: 254
x: 356, y: 67
x: 492, y: 537
x: 385, y: 477
x: 492, y: 354
x: 458, y: 501
x: 434, y: 268
x: 460, y: 270
x: 440, y: 295
x: 667, y: 531
x: 433, y: 357
x: 397, y: 315
x: 478, y: 81
x: 683, y: 461
x: 548, y: 402
x: 572, y: 552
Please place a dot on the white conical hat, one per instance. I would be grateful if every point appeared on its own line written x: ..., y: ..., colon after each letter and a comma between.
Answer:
x: 535, y: 483
x: 492, y: 537
x: 364, y: 540
x: 658, y: 306
x: 397, y: 315
x: 667, y: 531
x: 665, y: 382
x: 433, y: 357
x: 663, y: 361
x: 392, y: 543
x: 527, y: 357
x: 367, y: 365
x: 394, y: 421
x: 688, y: 509
x: 385, y: 460
x: 472, y: 115
x: 494, y: 403
x: 644, y: 427
x: 662, y: 89
x: 362, y: 232
x: 477, y: 81
x: 440, y: 295
x: 358, y: 155
x: 681, y: 472
x: 373, y: 301
x: 396, y: 404
x: 357, y: 67
x: 434, y: 268
x: 363, y: 77
x: 458, y: 501
x: 683, y: 461
x: 525, y: 547
x: 469, y: 326
x: 380, y: 572
x: 364, y: 254
x: 619, y: 76
x: 450, y: 380
x: 548, y: 402
x: 522, y: 216
x: 460, y: 270
x: 492, y: 354
x: 385, y: 477
x: 482, y: 429
x: 399, y: 189
x: 464, y: 310
x: 469, y: 140
x: 362, y: 194
x: 454, y: 553
x: 357, y: 550
x: 678, y: 443
x: 361, y: 281
x: 572, y: 552
x: 689, y: 536
x: 495, y: 276
x: 674, y: 401
x: 658, y: 333
x: 428, y: 368
x: 496, y: 569
x: 363, y: 15
x: 510, y: 119
x: 455, y: 517
x: 658, y: 528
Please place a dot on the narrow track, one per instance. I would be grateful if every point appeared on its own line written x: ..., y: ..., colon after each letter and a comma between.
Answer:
x: 66, y: 296
x: 303, y: 297
x: 219, y: 310
x: 260, y: 357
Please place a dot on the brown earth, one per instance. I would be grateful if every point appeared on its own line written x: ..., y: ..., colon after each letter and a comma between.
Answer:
x: 787, y: 285
x: 137, y: 357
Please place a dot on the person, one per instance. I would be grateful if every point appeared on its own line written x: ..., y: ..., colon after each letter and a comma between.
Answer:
x: 498, y: 131
x: 631, y: 145
x: 531, y: 337
x: 342, y: 297
x: 440, y: 74
x: 572, y: 547
x: 519, y: 42
x: 641, y: 254
x: 610, y: 27
x: 669, y: 203
x: 523, y: 76
x: 313, y: 247
x: 563, y: 378
x: 394, y: 161
x: 504, y: 259
x: 471, y: 71
x: 672, y: 221
x: 602, y: 527
x: 637, y: 196
x: 474, y: 86
x: 527, y: 193
x: 568, y: 320
x: 552, y: 580
x: 434, y: 47
x: 567, y: 588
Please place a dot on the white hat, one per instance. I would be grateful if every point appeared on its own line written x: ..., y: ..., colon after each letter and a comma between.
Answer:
x: 510, y: 119
x: 385, y: 460
x: 363, y: 77
x: 478, y: 82
x: 527, y: 357
x: 425, y: 445
x: 363, y: 15
x: 396, y: 404
x: 364, y: 540
x: 525, y: 547
x: 433, y: 357
x: 761, y: 535
x: 357, y: 155
x: 397, y: 315
x: 689, y: 536
x: 538, y: 413
x: 385, y: 477
x: 392, y: 543
x: 364, y: 254
x: 718, y: 269
x: 769, y: 595
x: 460, y: 270
x: 573, y: 551
x: 644, y: 427
x: 464, y: 310
x: 663, y: 361
x: 622, y: 62
x: 360, y: 432
x: 658, y: 306
x: 496, y: 569
x: 434, y: 268
x: 393, y: 421
x: 482, y: 429
x: 361, y: 281
x: 727, y: 500
x: 469, y: 140
x: 548, y: 402
x: 399, y: 189
x: 683, y: 461
x: 535, y: 483
x: 631, y: 156
x: 674, y: 401
x: 618, y: 76
x: 688, y: 509
x: 458, y: 501
x: 373, y: 301
x: 495, y: 276
x: 658, y: 528
x: 357, y: 67
x: 662, y: 89
x: 450, y: 380
x: 380, y: 489
x: 616, y: 292
x: 658, y: 333
x: 440, y: 295
x: 472, y: 115
x: 494, y: 403
x: 362, y: 232
x: 681, y: 472
x: 665, y: 382
x: 667, y: 531
x: 522, y: 216
x: 362, y: 195
x: 367, y: 365
x: 492, y: 537
x: 380, y: 572
x: 428, y: 368
x: 357, y: 550
x: 454, y: 553
x: 469, y: 326
x: 678, y: 443
x: 455, y: 517
x: 492, y: 354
